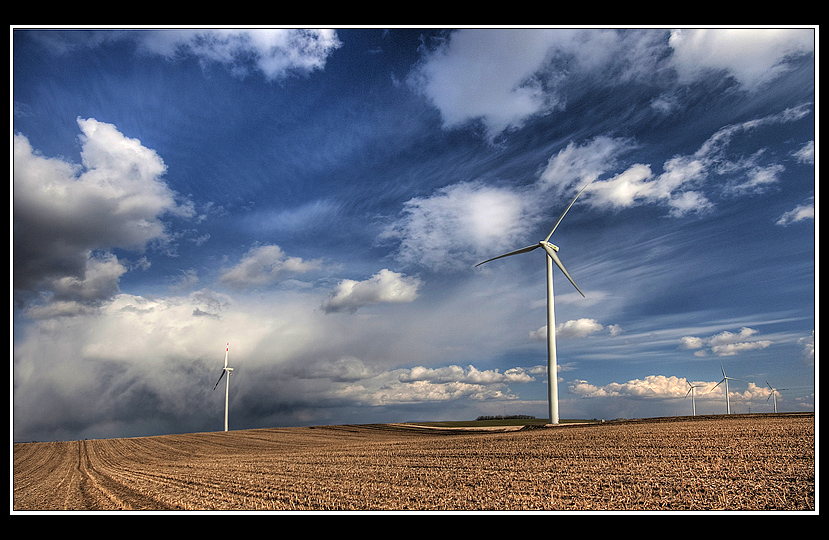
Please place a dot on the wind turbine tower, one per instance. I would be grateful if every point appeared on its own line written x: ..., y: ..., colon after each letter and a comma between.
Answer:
x: 692, y: 391
x: 725, y: 380
x: 225, y: 370
x: 552, y: 257
x: 773, y: 394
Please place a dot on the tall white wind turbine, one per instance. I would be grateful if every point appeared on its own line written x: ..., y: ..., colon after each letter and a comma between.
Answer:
x: 552, y: 257
x: 692, y: 391
x: 725, y: 380
x: 227, y: 382
x: 773, y: 394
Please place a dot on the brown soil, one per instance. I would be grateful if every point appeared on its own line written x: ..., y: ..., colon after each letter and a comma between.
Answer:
x: 741, y: 462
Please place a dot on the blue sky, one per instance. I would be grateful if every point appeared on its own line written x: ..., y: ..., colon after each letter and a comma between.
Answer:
x: 319, y: 200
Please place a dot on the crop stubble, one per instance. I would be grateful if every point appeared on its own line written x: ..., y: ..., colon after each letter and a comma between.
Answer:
x: 747, y: 462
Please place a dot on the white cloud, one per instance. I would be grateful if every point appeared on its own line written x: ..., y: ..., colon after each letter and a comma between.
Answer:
x: 806, y: 154
x: 730, y: 349
x: 801, y: 212
x: 487, y: 75
x: 577, y: 328
x: 469, y: 375
x: 63, y: 212
x: 466, y: 223
x: 504, y: 77
x: 682, y: 178
x: 652, y: 386
x: 459, y: 225
x: 275, y: 52
x: 808, y: 344
x: 446, y: 383
x: 384, y: 287
x: 752, y: 56
x: 264, y: 265
x: 575, y: 164
x: 725, y: 343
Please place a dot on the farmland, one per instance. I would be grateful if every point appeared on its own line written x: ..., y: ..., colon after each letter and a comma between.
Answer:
x: 738, y: 462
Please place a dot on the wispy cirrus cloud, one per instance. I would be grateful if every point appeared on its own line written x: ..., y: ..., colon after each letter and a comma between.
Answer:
x: 274, y: 52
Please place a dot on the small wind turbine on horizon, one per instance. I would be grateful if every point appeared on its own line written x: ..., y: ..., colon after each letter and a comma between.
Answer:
x: 226, y: 370
x: 692, y: 391
x: 552, y: 257
x: 725, y: 379
x: 773, y: 394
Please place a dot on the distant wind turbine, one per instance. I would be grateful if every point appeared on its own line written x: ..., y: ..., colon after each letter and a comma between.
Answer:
x: 692, y: 391
x: 725, y: 379
x: 552, y: 257
x: 773, y: 394
x: 227, y: 382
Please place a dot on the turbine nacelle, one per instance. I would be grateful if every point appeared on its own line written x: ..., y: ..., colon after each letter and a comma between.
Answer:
x: 225, y: 369
x: 552, y: 252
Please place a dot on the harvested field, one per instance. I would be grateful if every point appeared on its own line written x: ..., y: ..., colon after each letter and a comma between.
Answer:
x: 741, y: 462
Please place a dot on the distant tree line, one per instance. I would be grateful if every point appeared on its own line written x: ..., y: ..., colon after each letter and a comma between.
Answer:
x: 507, y: 417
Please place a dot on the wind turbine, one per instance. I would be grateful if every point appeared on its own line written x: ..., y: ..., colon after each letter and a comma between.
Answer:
x: 552, y: 257
x: 693, y: 392
x: 227, y: 382
x: 774, y: 394
x: 725, y: 379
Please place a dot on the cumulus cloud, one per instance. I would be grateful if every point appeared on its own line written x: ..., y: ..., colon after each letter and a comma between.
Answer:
x: 752, y: 56
x: 447, y: 383
x: 384, y: 287
x: 725, y: 343
x: 652, y: 386
x: 67, y: 214
x: 265, y: 265
x: 470, y: 374
x: 577, y: 328
x: 458, y: 225
x: 491, y: 76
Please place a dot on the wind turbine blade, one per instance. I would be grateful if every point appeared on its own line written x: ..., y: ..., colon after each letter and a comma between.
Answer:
x: 553, y: 255
x: 227, y: 348
x: 716, y: 385
x: 688, y: 392
x: 220, y: 379
x: 566, y: 210
x: 516, y: 252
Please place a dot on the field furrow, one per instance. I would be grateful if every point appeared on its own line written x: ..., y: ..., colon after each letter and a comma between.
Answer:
x: 748, y: 462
